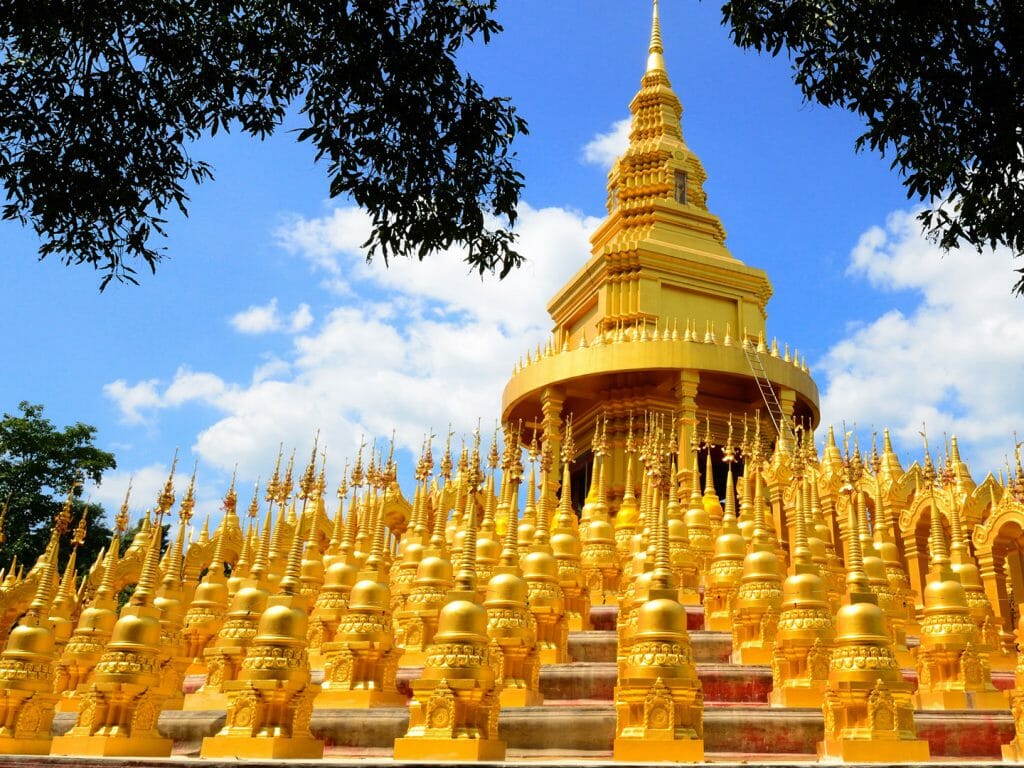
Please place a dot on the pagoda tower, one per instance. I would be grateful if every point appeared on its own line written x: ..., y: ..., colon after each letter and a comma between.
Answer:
x: 662, y: 317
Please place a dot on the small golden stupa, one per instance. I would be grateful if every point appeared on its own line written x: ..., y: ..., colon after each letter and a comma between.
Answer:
x: 869, y: 714
x: 566, y: 548
x: 511, y: 627
x: 209, y: 607
x: 805, y: 635
x: 118, y: 713
x: 540, y: 570
x: 225, y: 654
x: 454, y: 711
x: 27, y: 698
x: 726, y: 567
x: 271, y: 702
x: 951, y: 673
x: 758, y: 600
x: 598, y: 557
x: 361, y: 661
x: 95, y: 626
x: 658, y: 699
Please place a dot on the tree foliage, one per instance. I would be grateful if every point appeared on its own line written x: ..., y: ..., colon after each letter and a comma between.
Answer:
x: 39, y: 465
x: 100, y: 104
x: 940, y: 85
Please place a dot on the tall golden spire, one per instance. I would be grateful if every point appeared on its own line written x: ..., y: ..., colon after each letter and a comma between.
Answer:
x: 655, y: 60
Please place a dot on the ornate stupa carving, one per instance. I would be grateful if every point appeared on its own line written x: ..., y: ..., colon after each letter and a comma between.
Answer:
x: 209, y: 605
x: 868, y: 709
x: 225, y: 653
x: 659, y: 700
x: 454, y: 711
x: 805, y: 635
x: 95, y: 625
x: 27, y: 698
x: 118, y: 712
x: 598, y: 557
x: 511, y: 627
x: 361, y: 660
x: 952, y: 673
x: 540, y: 569
x: 758, y: 600
x: 271, y: 703
x: 1014, y: 751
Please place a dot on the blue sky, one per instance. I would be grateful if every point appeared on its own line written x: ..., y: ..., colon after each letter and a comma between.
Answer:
x: 264, y: 323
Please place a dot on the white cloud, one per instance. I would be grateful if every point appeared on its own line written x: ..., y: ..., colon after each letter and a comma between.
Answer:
x: 132, y: 400
x: 953, y: 361
x: 146, y: 483
x: 257, y: 319
x: 604, y: 149
x: 438, y: 350
x: 301, y: 319
x: 265, y: 318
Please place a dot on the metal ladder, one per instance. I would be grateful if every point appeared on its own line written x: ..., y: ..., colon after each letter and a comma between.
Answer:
x: 771, y: 400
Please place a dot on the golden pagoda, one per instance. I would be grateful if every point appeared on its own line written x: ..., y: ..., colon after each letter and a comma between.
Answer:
x: 658, y: 261
x: 658, y: 699
x: 27, y: 698
x: 868, y: 709
x: 118, y: 712
x: 805, y: 634
x: 271, y: 702
x: 454, y: 711
x: 361, y: 660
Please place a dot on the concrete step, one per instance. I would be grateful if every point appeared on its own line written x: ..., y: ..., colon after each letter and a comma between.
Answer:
x: 586, y: 729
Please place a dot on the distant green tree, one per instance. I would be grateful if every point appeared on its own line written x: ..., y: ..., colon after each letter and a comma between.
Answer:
x: 39, y: 465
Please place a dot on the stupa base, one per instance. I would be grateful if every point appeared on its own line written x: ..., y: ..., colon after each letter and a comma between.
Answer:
x: 988, y: 700
x: 520, y: 697
x: 412, y: 659
x: 797, y: 696
x: 358, y: 699
x: 407, y: 748
x: 874, y: 750
x: 647, y: 750
x: 202, y: 701
x: 960, y: 700
x: 68, y: 704
x: 905, y: 658
x: 575, y: 622
x: 753, y: 654
x: 263, y: 747
x: 1012, y: 752
x: 689, y: 596
x: 111, y: 746
x: 12, y: 746
x: 553, y: 656
x: 718, y: 623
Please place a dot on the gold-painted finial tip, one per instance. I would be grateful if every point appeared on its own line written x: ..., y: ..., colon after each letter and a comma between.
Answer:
x: 655, y: 59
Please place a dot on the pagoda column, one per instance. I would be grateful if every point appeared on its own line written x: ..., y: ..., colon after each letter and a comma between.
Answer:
x: 787, y: 400
x: 686, y: 397
x: 552, y: 398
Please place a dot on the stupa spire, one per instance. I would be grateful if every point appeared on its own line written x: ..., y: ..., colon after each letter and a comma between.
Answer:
x: 655, y: 59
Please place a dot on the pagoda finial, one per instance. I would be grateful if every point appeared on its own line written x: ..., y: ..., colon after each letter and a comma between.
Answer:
x: 655, y: 59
